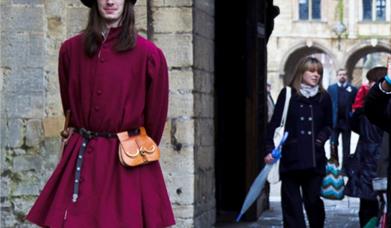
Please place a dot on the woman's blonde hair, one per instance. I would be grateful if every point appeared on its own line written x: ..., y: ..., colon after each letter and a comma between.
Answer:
x: 311, y: 64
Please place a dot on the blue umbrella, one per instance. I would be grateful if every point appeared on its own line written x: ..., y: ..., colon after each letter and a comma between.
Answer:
x: 257, y: 185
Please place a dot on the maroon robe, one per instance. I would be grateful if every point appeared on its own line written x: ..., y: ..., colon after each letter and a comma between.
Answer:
x: 110, y: 92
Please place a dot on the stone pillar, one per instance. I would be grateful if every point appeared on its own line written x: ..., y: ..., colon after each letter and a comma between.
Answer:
x: 205, y: 203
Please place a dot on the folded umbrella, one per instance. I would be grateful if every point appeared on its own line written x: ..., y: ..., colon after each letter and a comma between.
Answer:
x: 259, y: 182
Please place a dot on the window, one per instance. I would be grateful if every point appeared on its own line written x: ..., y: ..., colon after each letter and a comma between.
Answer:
x: 381, y: 10
x: 367, y: 8
x: 309, y: 10
x: 374, y: 10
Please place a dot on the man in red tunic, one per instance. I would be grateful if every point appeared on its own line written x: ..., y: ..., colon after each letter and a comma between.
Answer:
x: 111, y: 80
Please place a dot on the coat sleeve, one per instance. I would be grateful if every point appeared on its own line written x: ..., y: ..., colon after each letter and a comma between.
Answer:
x: 156, y: 105
x: 275, y: 121
x: 377, y: 107
x: 63, y: 74
x: 325, y: 132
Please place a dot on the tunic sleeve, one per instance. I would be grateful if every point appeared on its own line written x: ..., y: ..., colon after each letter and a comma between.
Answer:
x: 156, y: 104
x: 63, y: 68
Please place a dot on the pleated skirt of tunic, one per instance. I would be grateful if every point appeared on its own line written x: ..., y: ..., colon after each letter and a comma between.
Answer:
x: 110, y: 195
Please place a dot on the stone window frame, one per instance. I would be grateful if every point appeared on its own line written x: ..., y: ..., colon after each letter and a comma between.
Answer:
x: 387, y: 11
x: 310, y: 13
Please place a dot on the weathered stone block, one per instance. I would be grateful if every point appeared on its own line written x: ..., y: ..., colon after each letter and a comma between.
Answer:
x: 34, y: 132
x: 203, y: 82
x: 204, y: 105
x: 28, y: 2
x: 76, y: 20
x: 25, y: 80
x: 25, y: 19
x: 172, y: 161
x: 27, y: 163
x: 178, y: 48
x: 5, y: 186
x: 172, y: 3
x: 204, y: 131
x: 173, y: 20
x: 29, y: 185
x: 13, y: 52
x: 181, y: 81
x: 180, y: 105
x: 204, y: 53
x: 185, y: 131
x: 22, y: 205
x: 182, y: 222
x: 52, y: 126
x: 14, y: 133
x: 206, y: 219
x: 181, y: 188
x: 207, y: 6
x: 205, y: 157
x: 24, y: 105
x: 183, y: 213
x: 52, y: 154
x: 204, y: 24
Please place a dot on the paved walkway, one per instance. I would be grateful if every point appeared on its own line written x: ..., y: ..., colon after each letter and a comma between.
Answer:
x: 341, y: 214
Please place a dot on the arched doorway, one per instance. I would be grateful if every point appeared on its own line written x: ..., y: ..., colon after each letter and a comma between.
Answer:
x: 363, y: 57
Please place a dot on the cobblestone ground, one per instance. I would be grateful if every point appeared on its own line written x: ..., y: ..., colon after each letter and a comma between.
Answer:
x: 341, y: 214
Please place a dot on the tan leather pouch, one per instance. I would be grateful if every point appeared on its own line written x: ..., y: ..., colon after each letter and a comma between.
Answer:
x: 137, y: 149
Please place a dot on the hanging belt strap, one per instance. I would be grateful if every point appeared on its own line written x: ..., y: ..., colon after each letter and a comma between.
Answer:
x: 87, y: 136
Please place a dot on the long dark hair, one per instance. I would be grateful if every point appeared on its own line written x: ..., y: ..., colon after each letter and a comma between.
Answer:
x: 308, y: 63
x: 96, y: 25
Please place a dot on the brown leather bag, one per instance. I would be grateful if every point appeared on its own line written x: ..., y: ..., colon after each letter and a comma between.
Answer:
x: 135, y: 150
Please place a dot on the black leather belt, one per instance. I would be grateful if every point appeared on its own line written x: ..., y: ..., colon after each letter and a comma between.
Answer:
x: 87, y: 136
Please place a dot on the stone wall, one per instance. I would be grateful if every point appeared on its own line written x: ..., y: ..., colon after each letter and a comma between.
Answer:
x: 31, y: 113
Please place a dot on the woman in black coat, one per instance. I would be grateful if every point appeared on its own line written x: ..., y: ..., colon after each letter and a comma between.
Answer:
x: 303, y: 160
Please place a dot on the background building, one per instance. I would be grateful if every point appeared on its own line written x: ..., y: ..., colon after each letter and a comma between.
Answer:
x: 351, y: 34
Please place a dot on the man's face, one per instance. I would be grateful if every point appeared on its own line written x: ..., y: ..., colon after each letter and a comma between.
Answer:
x: 111, y: 11
x: 342, y: 76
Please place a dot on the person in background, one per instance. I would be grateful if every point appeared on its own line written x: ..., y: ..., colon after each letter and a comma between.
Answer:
x: 303, y: 160
x: 342, y: 95
x: 367, y: 153
x: 378, y: 110
x: 112, y: 80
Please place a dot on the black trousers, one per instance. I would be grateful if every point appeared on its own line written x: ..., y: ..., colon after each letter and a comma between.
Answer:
x: 346, y: 133
x: 298, y: 188
x: 368, y: 210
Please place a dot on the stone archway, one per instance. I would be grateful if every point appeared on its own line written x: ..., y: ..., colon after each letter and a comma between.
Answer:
x: 291, y: 59
x: 362, y: 49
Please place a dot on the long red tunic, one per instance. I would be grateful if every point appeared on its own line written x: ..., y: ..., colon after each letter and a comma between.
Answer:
x: 110, y: 92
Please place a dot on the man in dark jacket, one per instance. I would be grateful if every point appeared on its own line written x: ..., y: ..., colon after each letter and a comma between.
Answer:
x: 342, y: 95
x: 378, y: 110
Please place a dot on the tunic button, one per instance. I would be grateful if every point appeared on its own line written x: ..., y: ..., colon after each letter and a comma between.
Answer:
x: 309, y: 132
x: 301, y: 118
x: 309, y: 118
x: 302, y: 132
x: 96, y: 108
x: 301, y: 106
x: 99, y: 92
